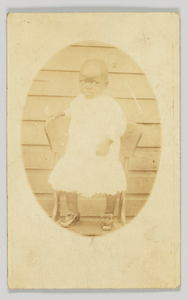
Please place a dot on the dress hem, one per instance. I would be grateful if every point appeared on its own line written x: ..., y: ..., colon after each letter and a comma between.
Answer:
x: 86, y: 194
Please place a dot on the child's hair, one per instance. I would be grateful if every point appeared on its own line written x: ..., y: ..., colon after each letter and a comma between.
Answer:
x: 96, y: 63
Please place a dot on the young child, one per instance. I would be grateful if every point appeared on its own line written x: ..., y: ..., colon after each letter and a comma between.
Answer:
x: 91, y: 163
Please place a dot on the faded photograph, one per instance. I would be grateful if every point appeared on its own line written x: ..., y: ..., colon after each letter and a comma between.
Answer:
x: 91, y: 138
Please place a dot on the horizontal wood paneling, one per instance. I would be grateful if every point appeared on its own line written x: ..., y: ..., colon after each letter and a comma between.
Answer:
x: 130, y: 197
x: 144, y: 160
x: 40, y: 108
x: 138, y: 182
x: 151, y: 135
x: 33, y: 134
x: 39, y: 157
x: 149, y: 114
x: 67, y: 84
x: 93, y: 207
x: 36, y: 148
x: 133, y: 207
x: 72, y: 58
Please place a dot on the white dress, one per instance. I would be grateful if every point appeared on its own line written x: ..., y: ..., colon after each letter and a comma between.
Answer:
x: 81, y: 170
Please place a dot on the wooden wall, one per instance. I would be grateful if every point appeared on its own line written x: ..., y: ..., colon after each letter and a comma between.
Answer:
x: 52, y: 91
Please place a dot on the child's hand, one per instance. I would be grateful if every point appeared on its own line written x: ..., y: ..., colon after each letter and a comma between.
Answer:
x: 58, y: 115
x: 103, y: 148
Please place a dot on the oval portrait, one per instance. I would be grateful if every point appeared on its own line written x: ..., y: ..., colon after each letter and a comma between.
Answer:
x: 91, y: 138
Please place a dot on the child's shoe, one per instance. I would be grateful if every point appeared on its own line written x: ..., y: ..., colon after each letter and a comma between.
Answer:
x: 107, y: 222
x: 70, y: 220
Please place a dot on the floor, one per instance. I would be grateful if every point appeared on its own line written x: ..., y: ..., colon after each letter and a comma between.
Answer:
x: 91, y: 226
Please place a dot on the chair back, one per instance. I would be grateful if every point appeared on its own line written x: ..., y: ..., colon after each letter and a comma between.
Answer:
x: 57, y: 133
x: 130, y: 140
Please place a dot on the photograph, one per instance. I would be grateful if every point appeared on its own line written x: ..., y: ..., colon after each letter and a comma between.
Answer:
x: 93, y: 150
x: 91, y: 116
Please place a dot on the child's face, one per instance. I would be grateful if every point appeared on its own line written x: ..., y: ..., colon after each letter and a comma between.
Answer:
x: 92, y: 83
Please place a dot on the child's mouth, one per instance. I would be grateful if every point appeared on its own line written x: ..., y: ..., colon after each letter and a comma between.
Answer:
x: 88, y: 92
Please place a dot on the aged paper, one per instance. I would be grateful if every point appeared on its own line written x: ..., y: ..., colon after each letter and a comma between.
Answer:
x: 130, y: 60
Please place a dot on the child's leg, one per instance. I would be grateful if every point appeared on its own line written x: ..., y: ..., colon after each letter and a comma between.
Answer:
x: 110, y: 203
x: 72, y: 202
x: 107, y: 219
x: 74, y: 216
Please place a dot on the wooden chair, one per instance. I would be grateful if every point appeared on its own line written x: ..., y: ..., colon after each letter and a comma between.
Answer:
x: 57, y: 135
x: 129, y: 142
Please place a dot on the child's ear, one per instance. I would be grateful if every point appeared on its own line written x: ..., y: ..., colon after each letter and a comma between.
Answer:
x: 107, y: 82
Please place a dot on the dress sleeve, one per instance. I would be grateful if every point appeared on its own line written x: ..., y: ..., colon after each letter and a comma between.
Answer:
x: 118, y: 121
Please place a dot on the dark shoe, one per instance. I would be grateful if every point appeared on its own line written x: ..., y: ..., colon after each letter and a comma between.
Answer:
x: 70, y: 220
x: 107, y: 222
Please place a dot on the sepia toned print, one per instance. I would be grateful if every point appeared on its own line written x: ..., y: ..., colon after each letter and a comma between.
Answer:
x: 114, y: 135
x: 126, y: 128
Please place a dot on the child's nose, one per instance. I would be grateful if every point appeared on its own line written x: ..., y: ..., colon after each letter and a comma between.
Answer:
x: 88, y: 85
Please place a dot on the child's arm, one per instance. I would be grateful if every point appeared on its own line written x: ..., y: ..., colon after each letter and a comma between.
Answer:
x: 64, y: 113
x: 68, y: 112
